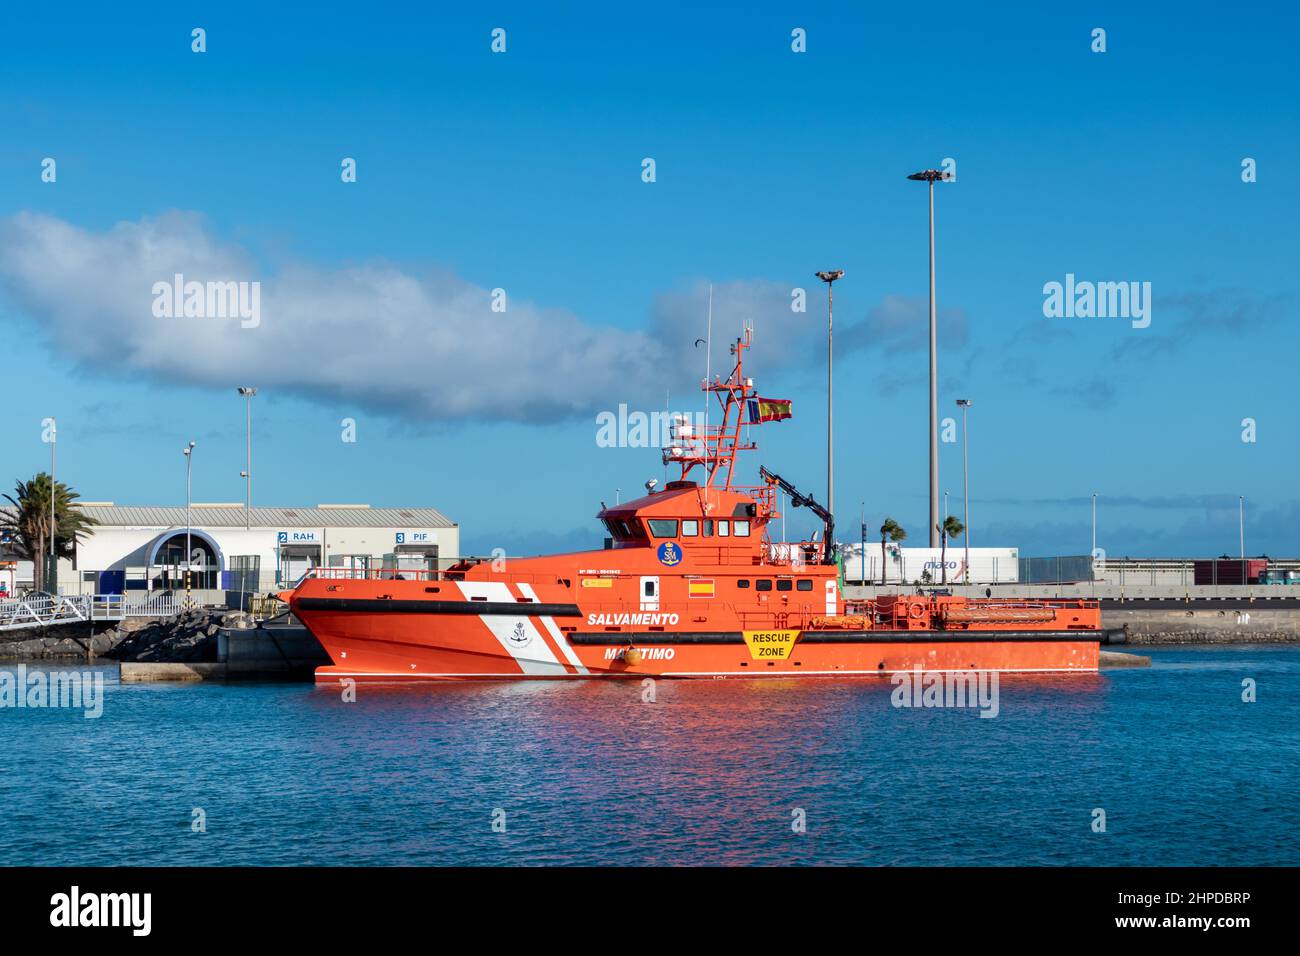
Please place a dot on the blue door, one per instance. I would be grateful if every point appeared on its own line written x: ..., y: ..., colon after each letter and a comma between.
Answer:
x: 112, y: 582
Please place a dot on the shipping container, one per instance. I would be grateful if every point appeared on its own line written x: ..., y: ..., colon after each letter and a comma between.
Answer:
x: 1229, y: 571
x: 924, y: 565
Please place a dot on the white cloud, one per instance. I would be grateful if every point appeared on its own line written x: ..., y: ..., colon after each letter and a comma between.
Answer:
x: 781, y: 337
x: 902, y: 324
x: 424, y: 346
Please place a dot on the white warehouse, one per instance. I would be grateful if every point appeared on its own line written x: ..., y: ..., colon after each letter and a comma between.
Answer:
x: 233, y: 549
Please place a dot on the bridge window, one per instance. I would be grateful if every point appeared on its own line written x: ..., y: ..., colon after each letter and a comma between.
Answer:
x: 784, y: 584
x: 663, y: 527
x: 690, y: 528
x: 708, y: 527
x: 742, y: 583
x: 763, y: 584
x: 805, y: 584
x: 741, y: 528
x: 624, y: 530
x: 724, y: 528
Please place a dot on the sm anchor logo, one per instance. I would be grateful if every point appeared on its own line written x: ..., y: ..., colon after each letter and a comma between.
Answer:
x: 519, y: 637
x: 670, y: 554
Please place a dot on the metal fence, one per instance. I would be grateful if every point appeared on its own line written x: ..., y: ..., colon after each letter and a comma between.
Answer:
x: 1063, y: 569
x: 1155, y: 572
x: 45, y: 610
x: 245, y: 573
x: 263, y: 607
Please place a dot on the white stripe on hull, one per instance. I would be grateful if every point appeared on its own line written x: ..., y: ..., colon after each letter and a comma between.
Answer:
x: 533, y: 654
x: 549, y: 623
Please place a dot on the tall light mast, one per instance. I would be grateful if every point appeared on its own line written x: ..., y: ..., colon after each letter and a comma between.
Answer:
x: 932, y: 176
x: 829, y: 278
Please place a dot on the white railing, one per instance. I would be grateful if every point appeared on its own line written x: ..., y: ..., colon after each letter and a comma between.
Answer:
x: 164, y: 604
x: 44, y: 610
x: 40, y: 611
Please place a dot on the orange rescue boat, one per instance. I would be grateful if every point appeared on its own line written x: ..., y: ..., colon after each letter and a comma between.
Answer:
x: 693, y: 586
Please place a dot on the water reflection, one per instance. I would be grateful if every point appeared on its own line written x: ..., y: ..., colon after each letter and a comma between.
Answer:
x: 709, y: 772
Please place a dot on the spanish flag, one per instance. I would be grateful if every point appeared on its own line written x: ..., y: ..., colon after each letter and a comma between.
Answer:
x: 768, y: 409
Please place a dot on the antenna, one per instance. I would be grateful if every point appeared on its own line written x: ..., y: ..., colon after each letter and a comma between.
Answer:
x: 699, y: 443
x: 747, y: 333
x: 708, y: 377
x: 668, y: 417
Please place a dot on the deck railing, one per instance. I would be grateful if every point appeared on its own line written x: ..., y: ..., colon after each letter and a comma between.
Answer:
x: 376, y: 574
x: 764, y: 495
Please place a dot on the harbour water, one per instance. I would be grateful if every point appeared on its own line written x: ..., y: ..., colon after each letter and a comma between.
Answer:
x: 710, y: 772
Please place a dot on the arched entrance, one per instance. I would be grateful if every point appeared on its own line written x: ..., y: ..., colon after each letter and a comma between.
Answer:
x: 168, y: 564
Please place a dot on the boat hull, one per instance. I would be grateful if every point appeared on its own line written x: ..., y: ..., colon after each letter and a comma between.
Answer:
x: 398, y: 646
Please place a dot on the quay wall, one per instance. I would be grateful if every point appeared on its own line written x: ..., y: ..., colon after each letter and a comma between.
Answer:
x: 1165, y: 615
x: 1100, y: 590
x: 1212, y: 626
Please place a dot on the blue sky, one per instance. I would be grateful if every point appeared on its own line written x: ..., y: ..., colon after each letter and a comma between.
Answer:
x: 522, y: 171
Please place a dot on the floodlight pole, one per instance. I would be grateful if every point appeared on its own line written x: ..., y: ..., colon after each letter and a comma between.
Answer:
x: 188, y: 452
x: 52, y: 564
x: 829, y: 278
x: 964, y: 404
x: 931, y: 176
x: 248, y: 392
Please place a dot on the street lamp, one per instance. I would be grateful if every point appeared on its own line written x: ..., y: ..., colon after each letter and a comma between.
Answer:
x: 964, y: 404
x: 864, y: 543
x: 829, y: 278
x: 188, y: 452
x: 53, y: 562
x: 1094, y: 527
x: 1093, y: 563
x: 932, y: 176
x: 1241, y: 533
x: 248, y: 393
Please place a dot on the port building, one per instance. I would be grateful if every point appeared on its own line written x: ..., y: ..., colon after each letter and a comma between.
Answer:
x: 236, y: 549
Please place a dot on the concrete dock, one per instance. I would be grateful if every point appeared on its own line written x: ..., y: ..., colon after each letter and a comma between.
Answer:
x: 143, y: 672
x: 1108, y: 659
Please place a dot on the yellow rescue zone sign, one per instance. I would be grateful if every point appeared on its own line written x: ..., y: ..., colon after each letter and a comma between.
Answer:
x: 770, y: 645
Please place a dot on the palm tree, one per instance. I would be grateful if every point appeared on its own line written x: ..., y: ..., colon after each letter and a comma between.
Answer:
x: 893, y: 531
x: 951, y: 527
x: 25, y: 526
